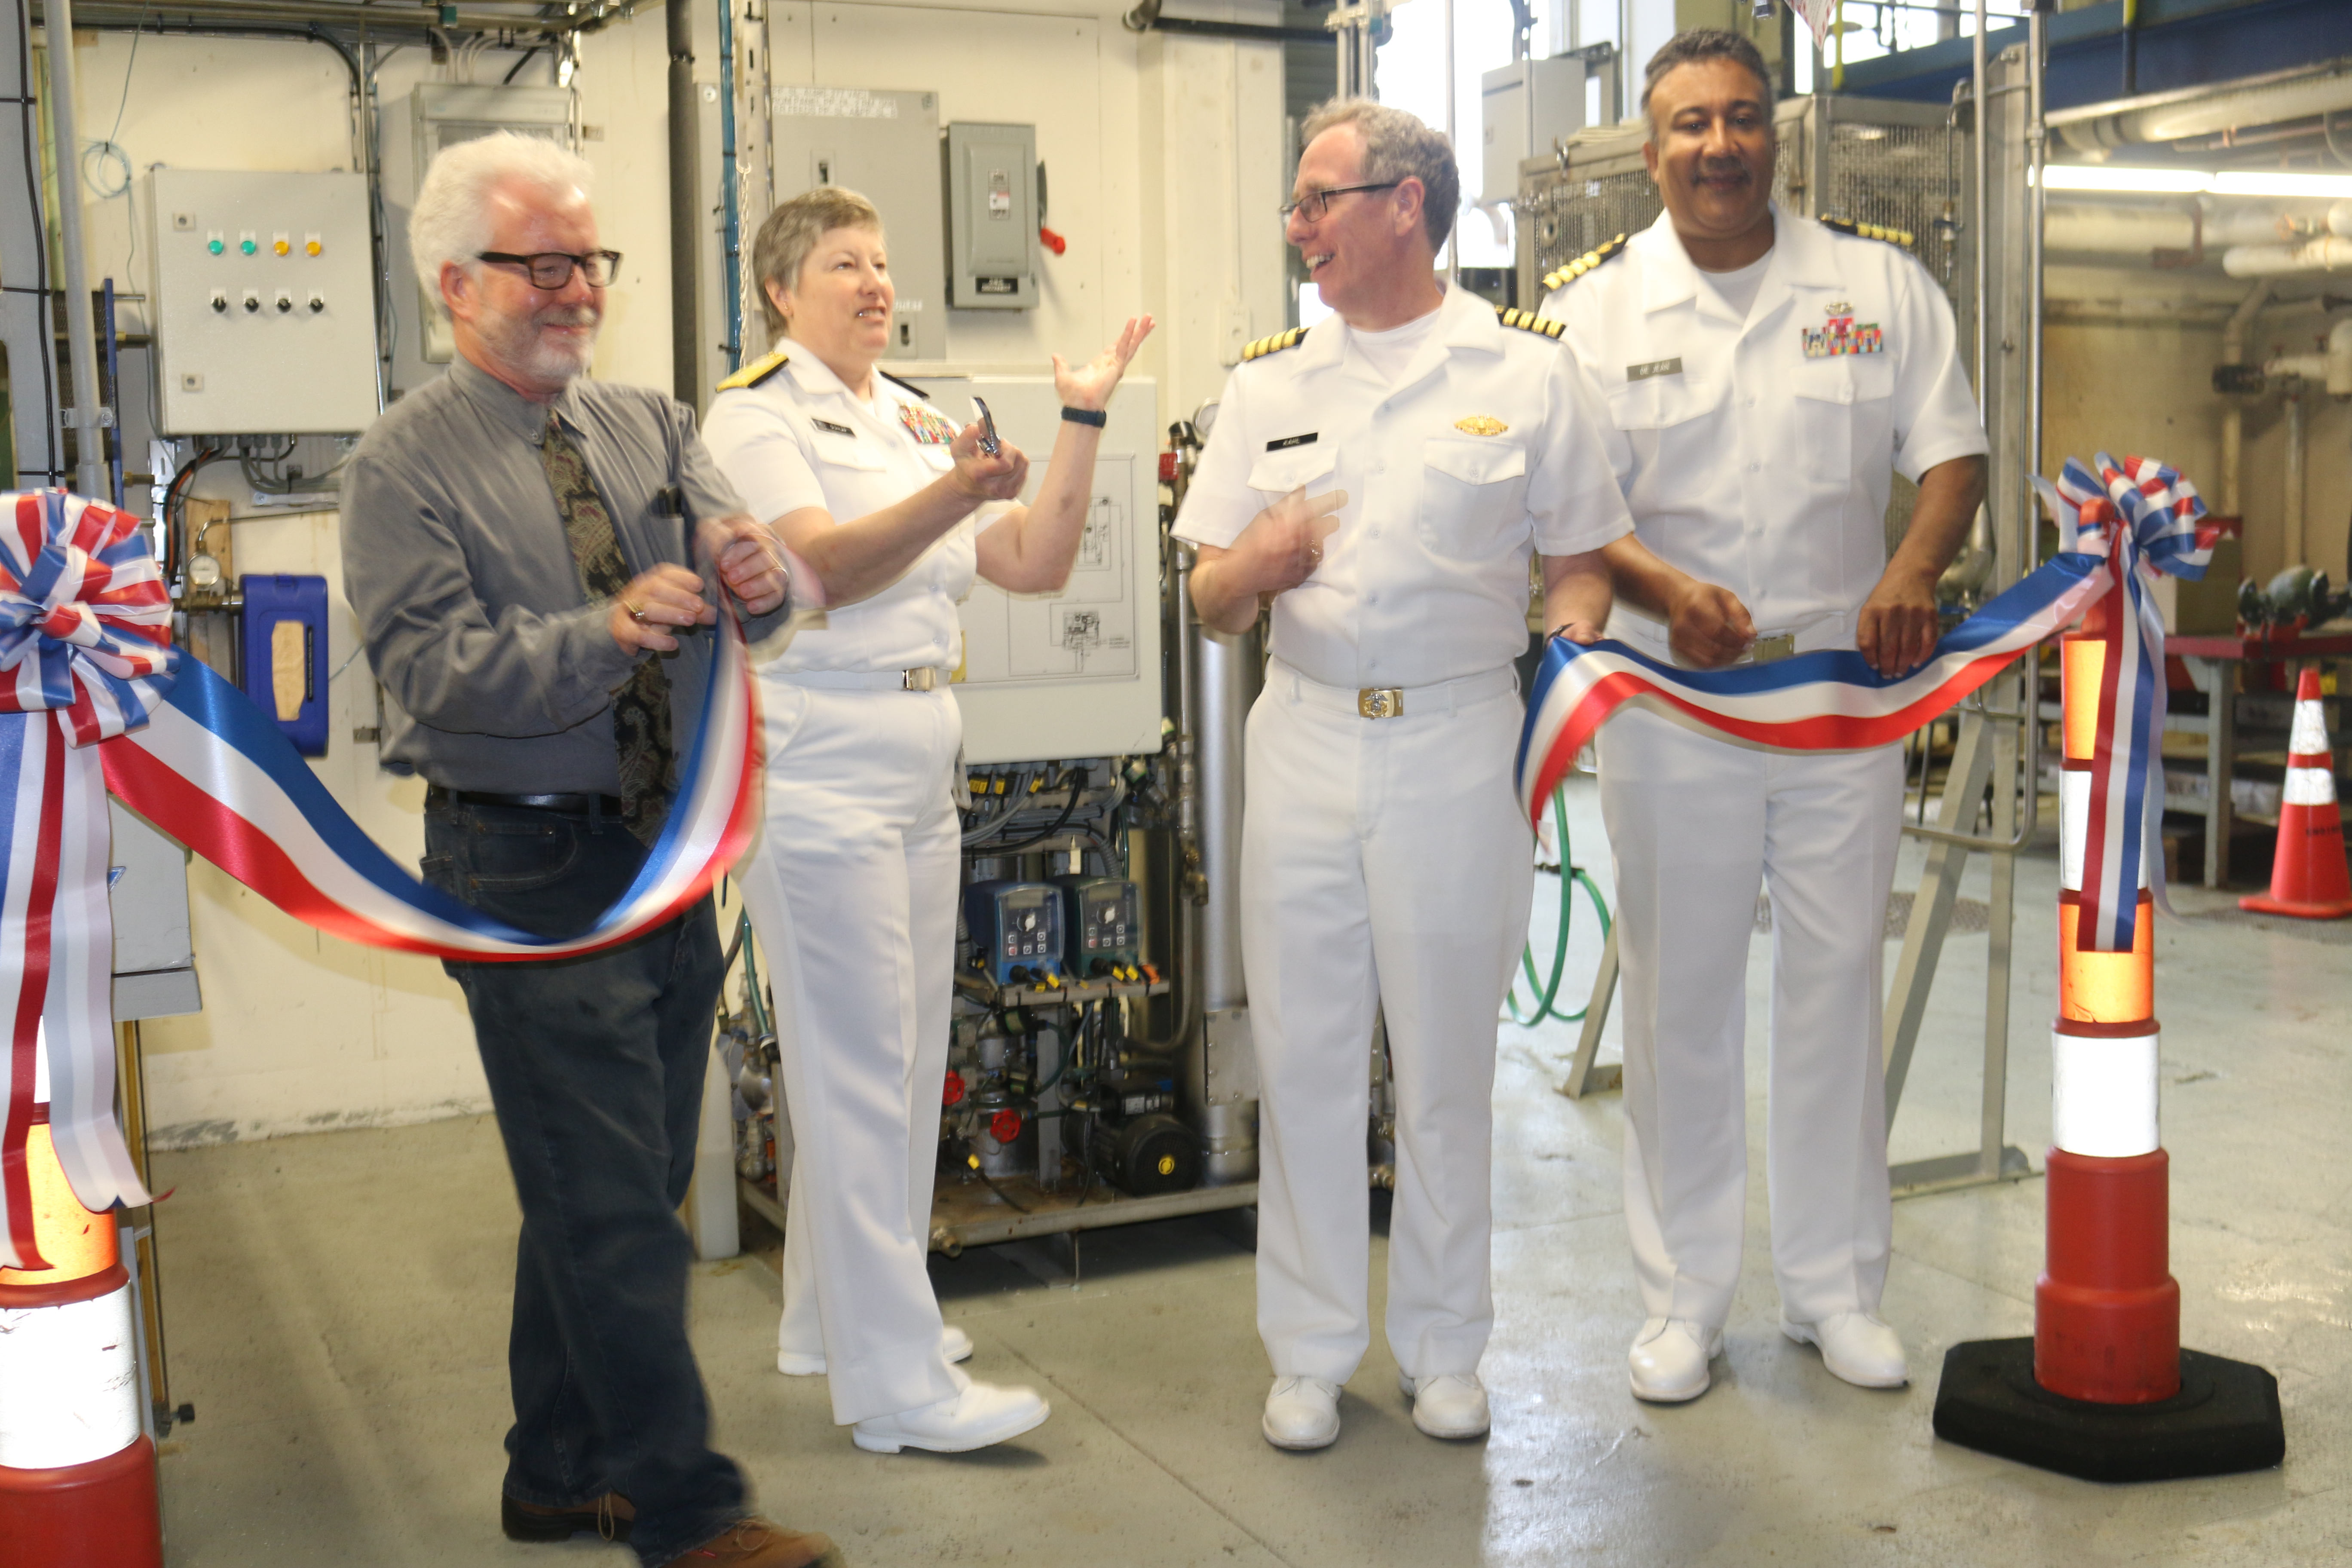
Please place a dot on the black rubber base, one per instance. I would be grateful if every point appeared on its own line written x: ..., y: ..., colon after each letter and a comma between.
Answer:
x: 2224, y: 1419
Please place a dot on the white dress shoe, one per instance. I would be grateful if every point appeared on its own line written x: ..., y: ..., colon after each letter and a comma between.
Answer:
x: 982, y: 1414
x: 954, y: 1345
x: 1451, y: 1405
x: 1856, y: 1347
x: 1301, y: 1412
x: 1668, y: 1360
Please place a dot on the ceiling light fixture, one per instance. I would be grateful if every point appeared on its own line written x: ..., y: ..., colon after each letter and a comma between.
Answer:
x: 2125, y: 179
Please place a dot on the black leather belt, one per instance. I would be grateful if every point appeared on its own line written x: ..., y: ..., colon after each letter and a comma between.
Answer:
x: 576, y: 804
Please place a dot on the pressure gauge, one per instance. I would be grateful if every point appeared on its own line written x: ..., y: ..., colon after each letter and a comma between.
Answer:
x: 203, y: 572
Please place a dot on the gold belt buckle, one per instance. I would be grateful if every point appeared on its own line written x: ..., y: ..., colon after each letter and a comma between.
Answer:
x: 1773, y: 650
x: 1380, y: 702
x: 923, y: 680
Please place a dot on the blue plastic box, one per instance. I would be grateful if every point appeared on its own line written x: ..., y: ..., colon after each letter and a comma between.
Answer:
x: 299, y: 605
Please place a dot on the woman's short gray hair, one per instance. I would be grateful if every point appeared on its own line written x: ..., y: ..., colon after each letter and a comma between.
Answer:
x: 1398, y: 146
x: 451, y: 220
x: 792, y: 230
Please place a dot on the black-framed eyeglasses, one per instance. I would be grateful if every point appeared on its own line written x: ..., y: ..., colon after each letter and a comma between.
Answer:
x: 551, y: 269
x: 1314, y: 204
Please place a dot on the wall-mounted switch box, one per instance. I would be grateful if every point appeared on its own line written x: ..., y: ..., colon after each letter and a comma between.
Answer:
x: 992, y: 250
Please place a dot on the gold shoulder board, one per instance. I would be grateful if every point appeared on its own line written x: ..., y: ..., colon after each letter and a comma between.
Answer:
x: 1274, y: 344
x: 758, y: 371
x: 1902, y: 237
x: 1583, y: 264
x: 1529, y: 322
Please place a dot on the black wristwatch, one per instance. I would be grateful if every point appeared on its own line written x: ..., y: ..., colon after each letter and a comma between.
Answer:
x: 1095, y: 417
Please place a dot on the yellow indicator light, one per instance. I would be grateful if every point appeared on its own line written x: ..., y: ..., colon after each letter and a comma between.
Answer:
x: 311, y: 246
x: 282, y: 245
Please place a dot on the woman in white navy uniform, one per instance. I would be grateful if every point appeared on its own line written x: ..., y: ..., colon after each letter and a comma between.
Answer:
x: 853, y: 888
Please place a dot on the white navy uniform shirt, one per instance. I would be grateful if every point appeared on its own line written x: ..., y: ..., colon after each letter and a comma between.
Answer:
x: 1485, y: 449
x: 1755, y: 450
x: 789, y: 434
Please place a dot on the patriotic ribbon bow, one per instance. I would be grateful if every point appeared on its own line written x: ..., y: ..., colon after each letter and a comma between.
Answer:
x: 2138, y: 517
x: 84, y: 656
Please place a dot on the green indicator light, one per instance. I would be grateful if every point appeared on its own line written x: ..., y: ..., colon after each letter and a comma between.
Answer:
x: 215, y: 246
x: 247, y: 246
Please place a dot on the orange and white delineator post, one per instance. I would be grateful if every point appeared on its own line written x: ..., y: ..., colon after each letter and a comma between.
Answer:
x: 2103, y: 1389
x: 77, y: 1470
x: 2307, y: 874
x: 2107, y: 1310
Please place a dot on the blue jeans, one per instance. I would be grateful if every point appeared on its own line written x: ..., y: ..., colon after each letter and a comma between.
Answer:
x: 595, y: 1068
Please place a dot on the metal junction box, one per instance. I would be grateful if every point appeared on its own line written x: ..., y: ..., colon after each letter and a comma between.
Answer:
x: 434, y: 115
x: 265, y: 303
x: 884, y: 146
x: 991, y: 176
x: 1523, y: 110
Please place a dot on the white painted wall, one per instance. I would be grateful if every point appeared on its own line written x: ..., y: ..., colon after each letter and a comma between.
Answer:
x: 1166, y: 161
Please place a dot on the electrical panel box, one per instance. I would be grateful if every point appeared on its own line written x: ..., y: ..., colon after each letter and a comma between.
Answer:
x: 265, y: 302
x: 284, y: 639
x: 991, y: 176
x: 1014, y: 926
x: 434, y: 115
x: 1104, y: 923
x: 1523, y: 108
x: 155, y: 948
x: 1074, y: 672
x: 884, y: 145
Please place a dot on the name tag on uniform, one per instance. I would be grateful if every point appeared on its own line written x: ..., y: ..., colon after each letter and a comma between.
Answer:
x: 1656, y: 367
x: 828, y: 425
x: 1289, y: 441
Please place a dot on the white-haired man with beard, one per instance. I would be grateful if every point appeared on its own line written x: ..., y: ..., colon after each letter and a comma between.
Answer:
x: 516, y: 541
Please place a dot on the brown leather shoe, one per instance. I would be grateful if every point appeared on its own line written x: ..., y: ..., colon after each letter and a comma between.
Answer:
x: 610, y: 1516
x: 757, y: 1542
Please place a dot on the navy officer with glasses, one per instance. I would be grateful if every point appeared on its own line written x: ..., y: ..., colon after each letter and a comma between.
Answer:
x: 1382, y: 479
x: 533, y: 557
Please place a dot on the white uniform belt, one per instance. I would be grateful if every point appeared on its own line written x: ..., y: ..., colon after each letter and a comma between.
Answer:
x: 923, y: 677
x: 1393, y: 702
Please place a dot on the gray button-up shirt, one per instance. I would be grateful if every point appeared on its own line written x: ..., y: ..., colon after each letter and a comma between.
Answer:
x: 498, y: 670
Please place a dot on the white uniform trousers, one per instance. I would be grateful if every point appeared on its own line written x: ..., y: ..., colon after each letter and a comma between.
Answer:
x: 1384, y: 862
x: 853, y: 893
x: 1695, y: 825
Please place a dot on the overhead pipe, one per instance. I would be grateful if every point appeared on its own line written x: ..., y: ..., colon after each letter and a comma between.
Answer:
x: 2201, y: 114
x: 2324, y: 253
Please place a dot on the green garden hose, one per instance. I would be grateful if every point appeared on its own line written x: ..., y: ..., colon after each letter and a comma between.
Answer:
x: 1571, y: 875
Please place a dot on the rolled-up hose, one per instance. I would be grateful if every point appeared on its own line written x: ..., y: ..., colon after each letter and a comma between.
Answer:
x: 1569, y: 876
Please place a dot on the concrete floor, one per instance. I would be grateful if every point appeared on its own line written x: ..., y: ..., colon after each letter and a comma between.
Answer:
x: 337, y: 1314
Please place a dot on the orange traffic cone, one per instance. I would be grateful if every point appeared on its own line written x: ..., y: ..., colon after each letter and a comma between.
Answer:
x: 77, y: 1472
x: 2307, y: 879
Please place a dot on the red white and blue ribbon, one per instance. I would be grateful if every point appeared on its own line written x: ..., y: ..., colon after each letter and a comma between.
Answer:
x: 2140, y: 518
x: 93, y: 699
x: 2134, y: 519
x: 85, y: 626
x: 1826, y: 702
